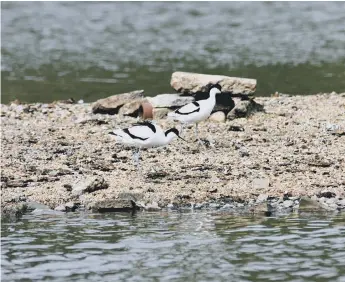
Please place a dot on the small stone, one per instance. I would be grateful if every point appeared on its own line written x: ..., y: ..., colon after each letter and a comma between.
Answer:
x: 322, y: 200
x: 330, y: 201
x: 214, y: 205
x: 89, y: 185
x: 217, y: 117
x: 243, y: 152
x: 308, y: 204
x: 236, y: 128
x: 68, y: 187
x: 227, y: 207
x: 262, y: 208
x: 341, y: 202
x: 60, y: 208
x: 31, y: 206
x: 244, y: 108
x: 262, y: 198
x: 261, y: 183
x: 112, y: 205
x: 314, y: 198
x: 198, y: 206
x: 133, y: 109
x: 288, y: 204
x: 160, y: 113
x: 71, y: 206
x: 327, y: 194
x: 152, y: 207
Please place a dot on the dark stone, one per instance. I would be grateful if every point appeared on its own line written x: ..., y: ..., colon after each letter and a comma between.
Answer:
x: 113, y: 205
x: 236, y: 128
x: 244, y: 108
x: 89, y: 185
x: 157, y: 174
x: 326, y: 194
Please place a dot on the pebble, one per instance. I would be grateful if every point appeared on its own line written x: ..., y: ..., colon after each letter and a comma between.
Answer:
x: 227, y: 206
x: 288, y: 203
x: 198, y: 206
x: 261, y: 183
x: 341, y: 202
x: 261, y: 198
x: 152, y: 207
x: 214, y: 205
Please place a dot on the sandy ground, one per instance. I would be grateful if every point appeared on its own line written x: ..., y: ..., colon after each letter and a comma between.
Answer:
x: 49, y: 153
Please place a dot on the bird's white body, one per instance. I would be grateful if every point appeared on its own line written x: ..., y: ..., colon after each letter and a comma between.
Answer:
x: 143, y: 136
x: 196, y: 111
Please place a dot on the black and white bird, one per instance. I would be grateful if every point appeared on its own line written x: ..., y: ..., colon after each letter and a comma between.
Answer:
x: 197, y: 111
x: 144, y: 135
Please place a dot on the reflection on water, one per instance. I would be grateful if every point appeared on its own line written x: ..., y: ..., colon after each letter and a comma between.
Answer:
x: 177, y: 246
x: 57, y: 50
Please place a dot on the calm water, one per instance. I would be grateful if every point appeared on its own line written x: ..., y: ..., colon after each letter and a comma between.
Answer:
x: 57, y: 50
x: 202, y: 246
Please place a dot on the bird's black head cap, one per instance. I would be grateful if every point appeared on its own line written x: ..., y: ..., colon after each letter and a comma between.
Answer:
x: 173, y: 130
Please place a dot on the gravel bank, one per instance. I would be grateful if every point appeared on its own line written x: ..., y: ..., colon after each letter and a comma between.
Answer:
x: 61, y: 156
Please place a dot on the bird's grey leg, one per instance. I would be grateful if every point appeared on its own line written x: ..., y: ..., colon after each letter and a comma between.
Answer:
x: 181, y: 130
x: 196, y: 132
x: 197, y: 136
x: 136, y: 157
x: 180, y: 133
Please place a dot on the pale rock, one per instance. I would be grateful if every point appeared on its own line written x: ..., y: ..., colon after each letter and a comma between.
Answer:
x: 187, y: 82
x: 308, y: 204
x: 261, y: 183
x: 160, y: 113
x: 288, y: 203
x: 262, y: 198
x: 169, y: 100
x: 111, y: 105
x: 217, y: 117
x: 133, y: 109
x: 341, y: 202
x: 152, y: 207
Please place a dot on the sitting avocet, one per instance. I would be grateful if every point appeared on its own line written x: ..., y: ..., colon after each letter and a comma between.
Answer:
x: 144, y: 135
x: 197, y: 111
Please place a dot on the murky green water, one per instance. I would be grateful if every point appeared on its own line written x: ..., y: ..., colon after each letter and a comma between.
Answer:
x: 58, y: 50
x: 173, y: 246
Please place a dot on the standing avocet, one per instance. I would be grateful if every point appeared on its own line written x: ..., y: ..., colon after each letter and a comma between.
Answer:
x: 197, y: 111
x: 144, y: 135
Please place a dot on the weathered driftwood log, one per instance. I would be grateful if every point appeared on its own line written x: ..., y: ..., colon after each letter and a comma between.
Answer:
x: 189, y: 83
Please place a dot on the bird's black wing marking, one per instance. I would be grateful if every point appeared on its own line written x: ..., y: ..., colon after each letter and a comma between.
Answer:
x: 187, y: 113
x: 133, y: 136
x: 146, y: 123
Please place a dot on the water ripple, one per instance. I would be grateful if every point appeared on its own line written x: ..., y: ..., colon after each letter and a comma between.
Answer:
x: 146, y: 246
